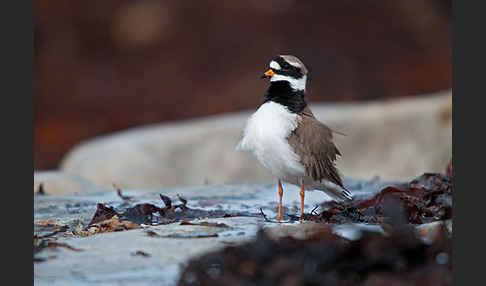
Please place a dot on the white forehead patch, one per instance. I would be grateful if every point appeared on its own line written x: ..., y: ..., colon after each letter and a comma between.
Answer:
x: 274, y: 65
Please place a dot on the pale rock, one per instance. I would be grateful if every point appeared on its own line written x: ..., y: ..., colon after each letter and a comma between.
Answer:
x: 393, y: 139
x: 60, y: 183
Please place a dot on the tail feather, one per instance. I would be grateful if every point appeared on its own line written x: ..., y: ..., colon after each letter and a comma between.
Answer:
x: 337, y: 192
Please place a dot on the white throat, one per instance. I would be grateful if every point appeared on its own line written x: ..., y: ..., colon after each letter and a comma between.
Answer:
x: 296, y: 84
x: 266, y: 134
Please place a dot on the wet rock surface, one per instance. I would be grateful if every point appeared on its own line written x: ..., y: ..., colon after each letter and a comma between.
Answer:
x: 144, y: 237
x: 396, y: 254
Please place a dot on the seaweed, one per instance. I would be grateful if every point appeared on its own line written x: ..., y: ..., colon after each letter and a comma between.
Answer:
x: 425, y: 199
x: 399, y: 257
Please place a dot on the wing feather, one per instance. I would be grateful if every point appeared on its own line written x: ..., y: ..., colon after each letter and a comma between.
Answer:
x: 312, y: 141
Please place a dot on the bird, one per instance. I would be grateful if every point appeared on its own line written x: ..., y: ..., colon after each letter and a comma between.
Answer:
x: 286, y: 138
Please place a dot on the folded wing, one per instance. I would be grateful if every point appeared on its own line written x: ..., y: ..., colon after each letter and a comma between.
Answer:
x: 312, y: 141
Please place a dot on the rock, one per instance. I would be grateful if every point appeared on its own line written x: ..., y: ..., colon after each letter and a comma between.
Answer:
x: 429, y: 231
x: 108, y: 258
x: 58, y: 183
x: 395, y: 140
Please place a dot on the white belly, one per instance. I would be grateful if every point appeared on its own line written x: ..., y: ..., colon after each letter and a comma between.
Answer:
x: 265, y: 136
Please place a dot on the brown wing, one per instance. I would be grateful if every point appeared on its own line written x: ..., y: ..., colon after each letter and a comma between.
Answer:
x: 312, y: 141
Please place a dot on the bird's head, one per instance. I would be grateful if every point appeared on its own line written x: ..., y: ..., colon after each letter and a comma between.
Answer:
x: 287, y: 68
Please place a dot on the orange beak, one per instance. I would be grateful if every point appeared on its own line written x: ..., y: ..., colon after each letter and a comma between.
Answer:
x: 269, y: 73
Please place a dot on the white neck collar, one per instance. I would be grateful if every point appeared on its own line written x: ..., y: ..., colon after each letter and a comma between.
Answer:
x: 296, y: 84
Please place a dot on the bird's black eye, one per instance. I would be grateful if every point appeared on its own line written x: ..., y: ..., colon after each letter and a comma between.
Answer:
x: 285, y: 66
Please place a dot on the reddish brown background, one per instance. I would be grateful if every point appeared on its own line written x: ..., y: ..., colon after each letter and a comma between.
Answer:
x: 102, y: 66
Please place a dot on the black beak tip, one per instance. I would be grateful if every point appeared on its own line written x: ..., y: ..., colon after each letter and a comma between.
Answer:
x: 263, y: 76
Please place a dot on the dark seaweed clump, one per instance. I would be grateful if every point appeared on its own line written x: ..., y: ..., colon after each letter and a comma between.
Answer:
x: 399, y: 258
x: 425, y: 199
x: 152, y: 214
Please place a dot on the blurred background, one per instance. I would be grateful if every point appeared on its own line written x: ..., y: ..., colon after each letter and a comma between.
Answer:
x: 105, y: 66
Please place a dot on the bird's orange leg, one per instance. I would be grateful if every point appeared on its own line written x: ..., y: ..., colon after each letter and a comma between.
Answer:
x: 302, y: 194
x: 280, y: 194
